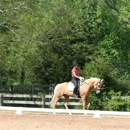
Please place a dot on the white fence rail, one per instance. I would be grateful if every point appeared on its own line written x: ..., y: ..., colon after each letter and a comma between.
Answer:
x: 97, y: 113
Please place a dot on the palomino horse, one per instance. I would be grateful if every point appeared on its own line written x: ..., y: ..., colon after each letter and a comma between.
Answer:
x: 84, y: 91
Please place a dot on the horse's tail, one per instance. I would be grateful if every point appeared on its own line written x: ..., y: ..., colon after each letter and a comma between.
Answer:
x: 54, y: 97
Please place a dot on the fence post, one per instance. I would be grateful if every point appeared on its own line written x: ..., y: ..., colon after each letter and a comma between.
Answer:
x: 1, y: 99
x: 32, y: 92
x: 11, y: 89
x: 43, y: 100
x: 32, y: 89
x: 51, y: 90
x: 53, y: 87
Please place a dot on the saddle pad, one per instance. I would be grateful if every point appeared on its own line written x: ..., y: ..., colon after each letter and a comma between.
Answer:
x: 70, y: 86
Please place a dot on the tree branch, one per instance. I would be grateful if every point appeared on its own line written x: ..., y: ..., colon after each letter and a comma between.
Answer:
x: 112, y: 6
x: 12, y: 31
x: 16, y: 8
x: 5, y: 26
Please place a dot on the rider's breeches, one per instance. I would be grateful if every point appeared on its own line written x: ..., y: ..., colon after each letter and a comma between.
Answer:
x: 75, y: 81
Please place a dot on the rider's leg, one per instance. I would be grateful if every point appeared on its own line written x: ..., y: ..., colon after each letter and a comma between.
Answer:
x: 75, y: 91
x: 75, y: 82
x: 78, y: 86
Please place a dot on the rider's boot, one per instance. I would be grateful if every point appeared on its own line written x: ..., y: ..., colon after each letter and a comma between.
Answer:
x: 75, y: 92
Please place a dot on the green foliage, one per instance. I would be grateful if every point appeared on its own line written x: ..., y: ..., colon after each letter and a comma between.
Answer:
x: 40, y: 40
x: 115, y: 102
x: 116, y: 105
x: 111, y: 101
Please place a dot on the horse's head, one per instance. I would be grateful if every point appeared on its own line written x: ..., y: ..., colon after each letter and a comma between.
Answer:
x: 97, y: 85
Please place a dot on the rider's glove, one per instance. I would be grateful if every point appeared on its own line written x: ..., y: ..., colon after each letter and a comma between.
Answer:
x: 81, y: 78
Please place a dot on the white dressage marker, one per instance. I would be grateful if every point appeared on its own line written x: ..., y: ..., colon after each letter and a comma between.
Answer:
x: 19, y: 111
x: 97, y: 114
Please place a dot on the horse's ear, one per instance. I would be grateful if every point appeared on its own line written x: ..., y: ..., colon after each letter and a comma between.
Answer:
x: 101, y: 80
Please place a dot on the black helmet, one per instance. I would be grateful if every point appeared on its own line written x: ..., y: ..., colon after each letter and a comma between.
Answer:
x: 75, y: 63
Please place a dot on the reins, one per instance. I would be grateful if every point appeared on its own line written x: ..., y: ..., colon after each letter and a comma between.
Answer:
x: 84, y: 82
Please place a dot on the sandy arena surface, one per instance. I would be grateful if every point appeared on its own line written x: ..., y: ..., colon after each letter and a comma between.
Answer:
x: 41, y: 121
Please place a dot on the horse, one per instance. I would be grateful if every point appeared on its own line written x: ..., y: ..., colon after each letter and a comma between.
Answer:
x: 84, y: 92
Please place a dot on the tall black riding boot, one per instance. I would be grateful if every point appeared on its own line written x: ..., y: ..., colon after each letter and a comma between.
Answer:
x: 75, y: 92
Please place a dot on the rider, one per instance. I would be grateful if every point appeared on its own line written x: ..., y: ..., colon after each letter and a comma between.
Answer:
x: 75, y: 78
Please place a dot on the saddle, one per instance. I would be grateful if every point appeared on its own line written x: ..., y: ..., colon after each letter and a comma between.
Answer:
x: 71, y: 86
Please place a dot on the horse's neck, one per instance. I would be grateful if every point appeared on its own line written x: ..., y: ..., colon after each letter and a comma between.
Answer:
x: 89, y: 82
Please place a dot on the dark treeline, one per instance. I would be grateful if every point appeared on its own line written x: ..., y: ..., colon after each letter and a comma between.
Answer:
x: 40, y: 39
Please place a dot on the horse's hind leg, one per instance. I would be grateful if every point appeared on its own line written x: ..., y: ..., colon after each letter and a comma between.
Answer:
x: 55, y: 102
x: 66, y: 101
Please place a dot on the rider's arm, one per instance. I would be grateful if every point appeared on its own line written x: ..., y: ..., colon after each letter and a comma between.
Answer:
x: 76, y: 75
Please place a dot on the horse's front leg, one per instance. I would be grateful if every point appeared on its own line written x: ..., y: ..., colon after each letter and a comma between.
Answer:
x: 88, y: 102
x: 83, y: 102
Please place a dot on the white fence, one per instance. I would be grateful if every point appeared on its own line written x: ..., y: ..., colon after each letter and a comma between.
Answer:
x: 97, y: 113
x: 44, y: 100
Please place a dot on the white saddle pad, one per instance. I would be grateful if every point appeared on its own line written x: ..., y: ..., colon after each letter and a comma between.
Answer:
x: 70, y: 86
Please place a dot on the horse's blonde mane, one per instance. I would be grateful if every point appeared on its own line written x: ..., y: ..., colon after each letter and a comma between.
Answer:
x: 95, y: 78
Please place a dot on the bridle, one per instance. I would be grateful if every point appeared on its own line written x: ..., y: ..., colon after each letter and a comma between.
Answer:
x: 98, y: 89
x: 95, y: 84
